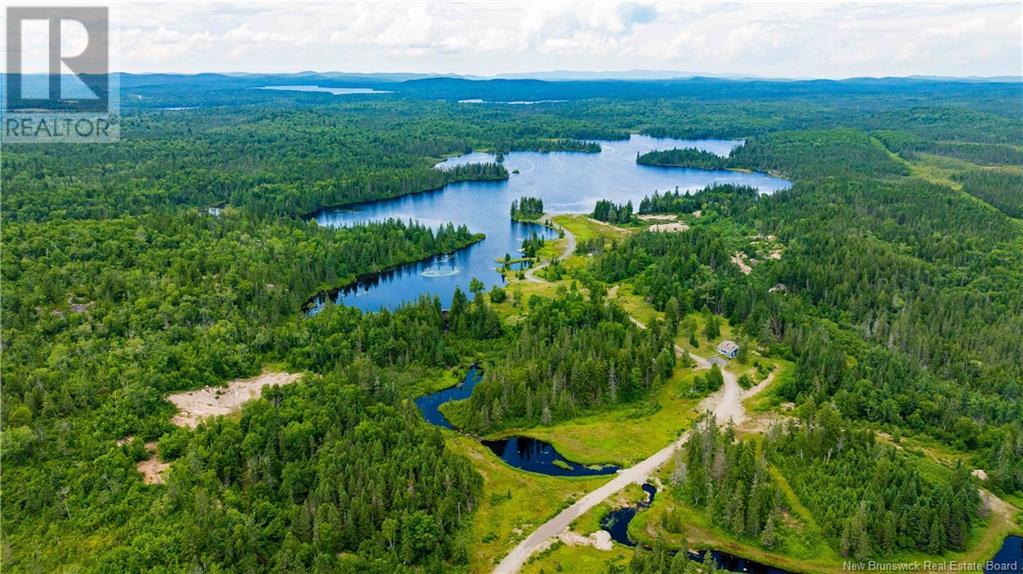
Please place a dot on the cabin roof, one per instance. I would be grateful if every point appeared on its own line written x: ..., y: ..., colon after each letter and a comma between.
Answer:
x: 728, y: 346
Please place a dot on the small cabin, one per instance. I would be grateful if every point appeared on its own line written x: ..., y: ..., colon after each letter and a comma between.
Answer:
x: 728, y: 348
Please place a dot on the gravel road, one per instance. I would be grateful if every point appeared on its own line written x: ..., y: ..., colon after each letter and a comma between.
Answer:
x: 726, y: 404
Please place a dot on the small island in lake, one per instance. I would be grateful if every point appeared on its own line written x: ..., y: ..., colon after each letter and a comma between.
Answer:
x: 476, y: 172
x: 526, y: 209
x: 684, y: 157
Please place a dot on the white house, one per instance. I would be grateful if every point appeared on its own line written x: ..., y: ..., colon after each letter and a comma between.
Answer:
x: 728, y: 349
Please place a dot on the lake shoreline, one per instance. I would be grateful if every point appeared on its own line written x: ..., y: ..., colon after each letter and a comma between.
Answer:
x: 332, y: 293
x: 566, y: 182
x: 353, y: 205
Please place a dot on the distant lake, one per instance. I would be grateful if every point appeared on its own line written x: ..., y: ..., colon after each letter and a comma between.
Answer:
x: 568, y: 182
x: 328, y: 90
x: 512, y: 103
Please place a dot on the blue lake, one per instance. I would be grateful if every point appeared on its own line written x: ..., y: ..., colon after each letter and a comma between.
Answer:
x: 568, y: 182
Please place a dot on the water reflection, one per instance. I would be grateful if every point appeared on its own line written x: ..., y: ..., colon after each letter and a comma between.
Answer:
x: 567, y: 183
x: 520, y: 452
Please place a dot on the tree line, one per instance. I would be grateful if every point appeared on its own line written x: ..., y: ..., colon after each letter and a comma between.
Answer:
x: 526, y: 208
x: 683, y: 157
x: 571, y: 354
x: 607, y: 211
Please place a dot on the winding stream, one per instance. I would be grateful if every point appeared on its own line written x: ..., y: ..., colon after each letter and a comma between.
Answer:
x: 617, y: 521
x: 567, y: 182
x: 521, y: 452
x: 429, y: 405
x: 1009, y: 557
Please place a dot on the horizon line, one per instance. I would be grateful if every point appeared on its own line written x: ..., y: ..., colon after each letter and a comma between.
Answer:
x: 553, y: 75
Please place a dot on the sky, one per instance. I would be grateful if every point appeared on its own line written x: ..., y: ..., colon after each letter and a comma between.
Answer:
x: 794, y: 40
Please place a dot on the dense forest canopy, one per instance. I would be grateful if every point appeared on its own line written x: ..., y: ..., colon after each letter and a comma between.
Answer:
x: 571, y: 355
x: 610, y: 212
x: 869, y: 498
x: 321, y: 476
x: 526, y: 208
x: 683, y: 157
x: 897, y: 298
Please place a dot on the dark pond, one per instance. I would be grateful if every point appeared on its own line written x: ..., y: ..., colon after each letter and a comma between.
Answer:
x: 520, y: 452
x: 617, y: 524
x: 733, y: 563
x: 651, y: 493
x: 1009, y: 557
x: 567, y: 183
x: 539, y: 456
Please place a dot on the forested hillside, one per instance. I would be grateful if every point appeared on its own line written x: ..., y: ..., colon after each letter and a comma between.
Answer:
x: 837, y: 153
x: 102, y: 318
x: 571, y: 355
x: 321, y: 475
x: 868, y: 498
x: 888, y: 278
x: 898, y: 298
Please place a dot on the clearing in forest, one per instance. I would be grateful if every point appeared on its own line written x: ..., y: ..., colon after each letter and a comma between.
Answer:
x: 664, y: 222
x: 193, y: 406
x: 152, y: 468
x: 676, y: 227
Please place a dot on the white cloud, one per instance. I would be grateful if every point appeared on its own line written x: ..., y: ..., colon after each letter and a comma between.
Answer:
x: 795, y: 40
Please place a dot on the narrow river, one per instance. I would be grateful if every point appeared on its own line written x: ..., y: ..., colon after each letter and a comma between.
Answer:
x: 521, y: 452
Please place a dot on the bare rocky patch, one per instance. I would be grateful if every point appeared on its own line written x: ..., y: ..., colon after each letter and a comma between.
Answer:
x: 193, y: 406
x: 740, y: 261
x: 664, y: 222
x: 152, y: 468
x: 676, y: 227
x: 601, y: 539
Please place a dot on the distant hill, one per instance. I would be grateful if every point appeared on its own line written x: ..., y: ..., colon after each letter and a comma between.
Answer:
x: 214, y: 89
x: 627, y: 75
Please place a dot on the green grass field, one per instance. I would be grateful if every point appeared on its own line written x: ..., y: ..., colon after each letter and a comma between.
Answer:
x: 513, y: 502
x: 577, y: 559
x: 623, y: 436
x: 581, y: 558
